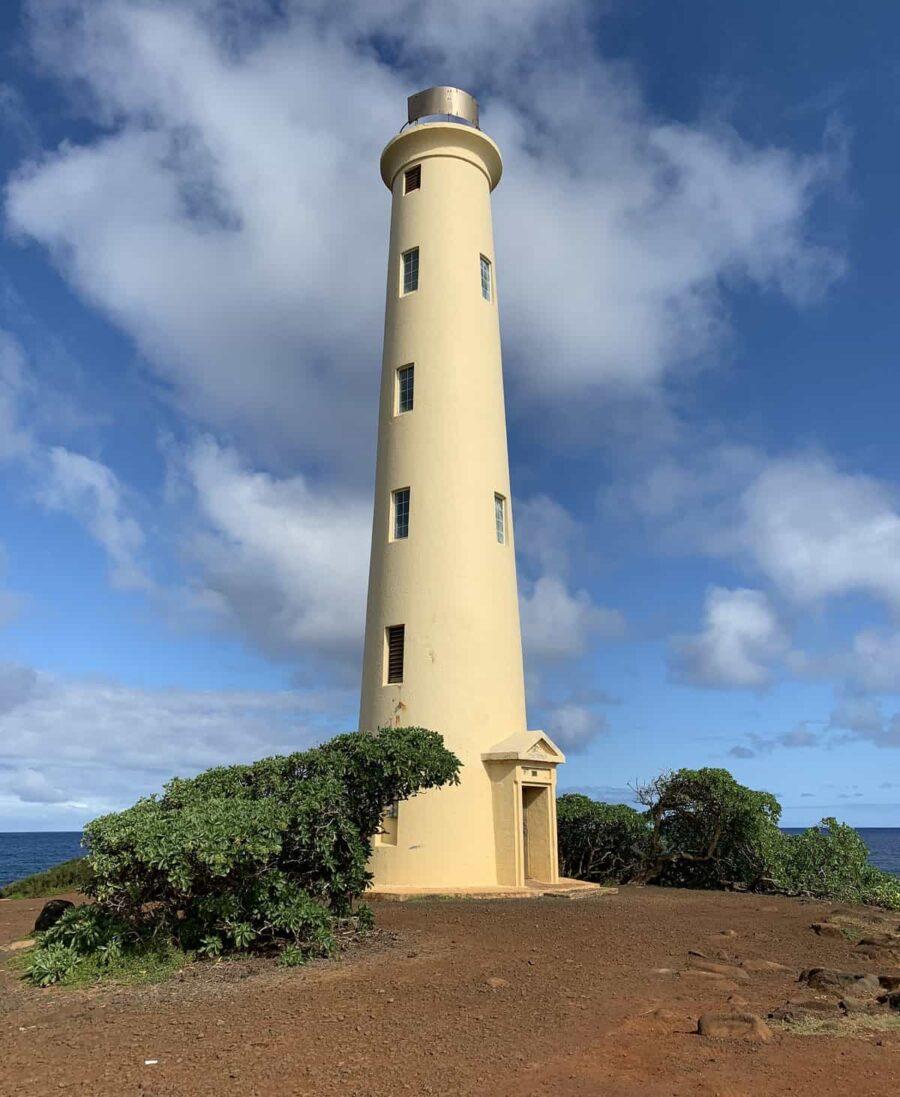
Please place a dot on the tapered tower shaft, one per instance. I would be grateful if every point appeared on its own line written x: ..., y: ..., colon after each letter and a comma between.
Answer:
x: 443, y: 644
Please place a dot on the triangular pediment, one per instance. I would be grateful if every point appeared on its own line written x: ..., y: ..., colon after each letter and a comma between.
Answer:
x: 525, y: 746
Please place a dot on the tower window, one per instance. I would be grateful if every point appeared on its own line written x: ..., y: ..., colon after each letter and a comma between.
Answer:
x: 400, y: 507
x: 500, y: 517
x: 405, y: 383
x: 486, y: 287
x: 411, y: 270
x: 395, y: 636
x: 412, y: 179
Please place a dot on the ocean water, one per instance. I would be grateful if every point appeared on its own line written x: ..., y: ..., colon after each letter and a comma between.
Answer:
x: 22, y: 854
x: 883, y: 843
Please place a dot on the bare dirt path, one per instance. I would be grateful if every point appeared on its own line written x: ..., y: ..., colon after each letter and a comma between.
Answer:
x: 531, y: 997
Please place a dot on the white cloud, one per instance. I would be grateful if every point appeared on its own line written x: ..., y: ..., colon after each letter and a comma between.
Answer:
x: 817, y: 532
x: 811, y: 529
x: 285, y: 561
x: 574, y: 727
x: 557, y: 624
x: 862, y: 715
x: 102, y: 744
x: 870, y: 665
x: 32, y: 787
x: 15, y: 440
x: 229, y: 216
x: 91, y: 493
x: 740, y: 639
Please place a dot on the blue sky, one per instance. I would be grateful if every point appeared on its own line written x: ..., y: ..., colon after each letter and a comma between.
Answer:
x: 696, y: 263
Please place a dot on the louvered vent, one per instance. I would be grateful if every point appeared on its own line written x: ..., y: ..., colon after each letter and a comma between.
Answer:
x: 396, y: 636
x: 413, y: 179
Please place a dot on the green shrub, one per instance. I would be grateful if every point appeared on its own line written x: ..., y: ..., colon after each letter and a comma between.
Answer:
x: 831, y: 861
x: 702, y: 829
x: 257, y: 856
x: 604, y: 843
x: 708, y: 831
x: 68, y: 876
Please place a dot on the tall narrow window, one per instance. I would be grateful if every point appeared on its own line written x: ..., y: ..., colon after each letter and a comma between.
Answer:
x: 396, y: 637
x: 412, y: 179
x: 400, y: 507
x: 500, y: 517
x: 486, y: 287
x: 411, y: 270
x: 405, y: 384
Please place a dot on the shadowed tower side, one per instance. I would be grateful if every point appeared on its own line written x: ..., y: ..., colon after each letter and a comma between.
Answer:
x: 443, y: 643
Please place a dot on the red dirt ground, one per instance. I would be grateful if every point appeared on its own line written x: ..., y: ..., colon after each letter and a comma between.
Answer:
x: 576, y: 1007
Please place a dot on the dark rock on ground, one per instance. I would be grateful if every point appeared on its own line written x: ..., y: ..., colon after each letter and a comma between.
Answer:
x: 51, y: 913
x: 842, y: 983
x: 801, y: 1006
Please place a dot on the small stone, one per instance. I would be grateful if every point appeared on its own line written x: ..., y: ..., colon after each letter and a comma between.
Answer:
x: 51, y: 912
x: 496, y: 983
x: 827, y: 929
x: 664, y: 1015
x: 18, y: 946
x: 850, y: 1004
x: 734, y: 1026
x: 763, y: 966
x: 727, y: 971
x: 841, y: 982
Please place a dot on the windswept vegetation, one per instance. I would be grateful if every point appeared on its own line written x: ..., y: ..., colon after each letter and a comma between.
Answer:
x: 266, y: 857
x: 701, y: 828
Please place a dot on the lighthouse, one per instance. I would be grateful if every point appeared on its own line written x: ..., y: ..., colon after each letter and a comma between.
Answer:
x: 443, y: 647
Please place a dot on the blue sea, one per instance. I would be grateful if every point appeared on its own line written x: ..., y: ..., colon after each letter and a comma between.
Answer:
x: 22, y: 854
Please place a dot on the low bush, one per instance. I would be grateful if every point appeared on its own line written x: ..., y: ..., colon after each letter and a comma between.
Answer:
x: 71, y: 875
x: 603, y: 843
x: 701, y: 828
x: 706, y: 830
x: 831, y: 861
x: 264, y: 856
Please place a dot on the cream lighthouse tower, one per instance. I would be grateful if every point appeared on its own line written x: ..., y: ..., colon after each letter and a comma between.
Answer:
x: 443, y: 645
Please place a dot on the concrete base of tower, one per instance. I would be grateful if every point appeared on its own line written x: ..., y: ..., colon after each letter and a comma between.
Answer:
x: 564, y: 888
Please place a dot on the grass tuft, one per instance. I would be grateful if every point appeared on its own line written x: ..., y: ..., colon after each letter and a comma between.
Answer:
x: 69, y: 876
x: 857, y: 1024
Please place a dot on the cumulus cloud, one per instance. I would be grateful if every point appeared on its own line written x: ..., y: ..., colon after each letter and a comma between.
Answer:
x: 802, y: 735
x: 284, y: 561
x: 558, y: 624
x: 818, y: 532
x: 228, y: 217
x: 574, y: 727
x: 91, y: 492
x: 740, y: 639
x: 15, y: 439
x: 860, y: 714
x: 813, y: 530
x: 863, y: 718
x: 100, y: 744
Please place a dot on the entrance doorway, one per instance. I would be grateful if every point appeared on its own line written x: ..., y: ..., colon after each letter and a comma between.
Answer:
x: 536, y: 831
